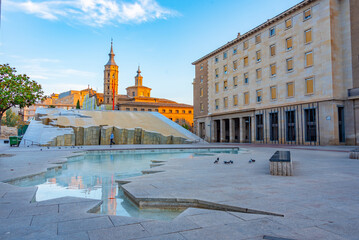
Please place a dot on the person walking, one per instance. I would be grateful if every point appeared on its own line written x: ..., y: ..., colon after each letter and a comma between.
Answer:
x: 111, y: 139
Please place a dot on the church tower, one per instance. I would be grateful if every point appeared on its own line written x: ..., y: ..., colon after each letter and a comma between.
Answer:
x: 110, y: 88
x: 138, y: 78
x: 138, y: 90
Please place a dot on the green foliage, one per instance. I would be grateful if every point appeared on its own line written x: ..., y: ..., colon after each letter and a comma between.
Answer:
x: 186, y: 126
x: 11, y: 119
x: 17, y: 89
x: 78, y: 104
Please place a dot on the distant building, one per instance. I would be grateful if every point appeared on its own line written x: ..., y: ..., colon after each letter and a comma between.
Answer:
x: 138, y: 97
x: 292, y: 80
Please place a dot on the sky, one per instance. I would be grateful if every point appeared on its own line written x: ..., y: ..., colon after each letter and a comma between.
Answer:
x: 64, y: 44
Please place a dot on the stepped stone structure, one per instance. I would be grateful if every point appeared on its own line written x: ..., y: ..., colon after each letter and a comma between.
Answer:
x: 58, y: 127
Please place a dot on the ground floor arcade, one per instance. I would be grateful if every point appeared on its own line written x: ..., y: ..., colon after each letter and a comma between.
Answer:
x: 317, y: 123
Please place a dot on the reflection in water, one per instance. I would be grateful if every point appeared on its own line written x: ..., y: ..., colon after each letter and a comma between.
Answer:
x: 94, y: 176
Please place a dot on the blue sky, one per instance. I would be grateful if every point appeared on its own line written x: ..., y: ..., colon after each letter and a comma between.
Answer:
x: 64, y: 44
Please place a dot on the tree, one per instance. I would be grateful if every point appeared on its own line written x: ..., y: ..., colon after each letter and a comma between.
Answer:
x: 11, y: 119
x: 78, y: 104
x: 17, y: 90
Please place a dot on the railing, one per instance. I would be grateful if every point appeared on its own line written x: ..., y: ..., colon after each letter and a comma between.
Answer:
x: 28, y: 142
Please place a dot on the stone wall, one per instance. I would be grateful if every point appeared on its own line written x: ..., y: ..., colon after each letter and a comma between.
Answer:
x: 96, y: 135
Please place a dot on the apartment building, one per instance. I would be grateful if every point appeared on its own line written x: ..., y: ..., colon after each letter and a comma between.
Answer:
x: 292, y: 80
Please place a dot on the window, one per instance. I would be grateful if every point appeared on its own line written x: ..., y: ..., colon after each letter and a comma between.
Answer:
x: 163, y: 110
x: 201, y: 107
x: 258, y: 38
x: 245, y: 61
x: 201, y: 92
x: 235, y: 65
x: 235, y: 81
x: 309, y: 59
x: 225, y: 85
x: 245, y: 45
x: 290, y: 64
x: 272, y: 32
x: 216, y: 102
x: 308, y: 36
x: 290, y: 89
x: 259, y: 95
x: 307, y: 14
x: 310, y: 125
x: 183, y: 111
x: 177, y: 111
x: 127, y: 109
x: 216, y: 72
x: 216, y: 60
x: 259, y: 127
x: 156, y: 110
x: 290, y: 119
x: 190, y: 111
x: 272, y: 50
x: 259, y: 74
x: 170, y: 110
x: 225, y: 55
x: 273, y: 70
x: 273, y: 92
x: 234, y: 50
x: 258, y: 56
x: 246, y: 78
x: 246, y: 98
x: 235, y: 100
x: 135, y: 109
x: 216, y: 87
x: 309, y: 82
x: 150, y: 110
x: 201, y: 78
x: 273, y: 121
x: 225, y: 69
x: 201, y: 67
x: 289, y: 43
x: 225, y: 102
x: 142, y: 109
x: 288, y: 23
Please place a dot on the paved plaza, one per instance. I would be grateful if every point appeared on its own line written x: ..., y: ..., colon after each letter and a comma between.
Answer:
x: 319, y: 202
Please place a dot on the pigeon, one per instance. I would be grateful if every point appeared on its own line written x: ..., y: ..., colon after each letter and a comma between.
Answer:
x: 228, y: 162
x: 217, y: 160
x: 253, y: 160
x: 40, y: 149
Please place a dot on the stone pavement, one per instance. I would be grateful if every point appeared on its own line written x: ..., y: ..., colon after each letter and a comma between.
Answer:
x: 319, y: 202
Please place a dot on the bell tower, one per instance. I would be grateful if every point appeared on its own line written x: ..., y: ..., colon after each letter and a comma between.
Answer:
x: 110, y: 88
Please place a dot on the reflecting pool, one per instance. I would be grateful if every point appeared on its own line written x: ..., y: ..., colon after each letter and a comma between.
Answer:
x: 94, y: 174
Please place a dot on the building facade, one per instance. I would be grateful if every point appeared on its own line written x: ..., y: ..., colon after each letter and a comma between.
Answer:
x: 291, y: 80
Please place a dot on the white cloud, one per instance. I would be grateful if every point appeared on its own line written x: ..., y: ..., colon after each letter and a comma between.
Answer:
x: 92, y: 12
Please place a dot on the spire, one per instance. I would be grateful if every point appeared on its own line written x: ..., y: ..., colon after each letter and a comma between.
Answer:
x: 111, y: 61
x: 139, y: 71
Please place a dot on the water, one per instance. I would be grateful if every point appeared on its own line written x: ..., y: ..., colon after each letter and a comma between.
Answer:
x: 94, y: 176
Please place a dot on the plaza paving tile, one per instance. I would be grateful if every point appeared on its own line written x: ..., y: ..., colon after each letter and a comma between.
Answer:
x: 318, y: 202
